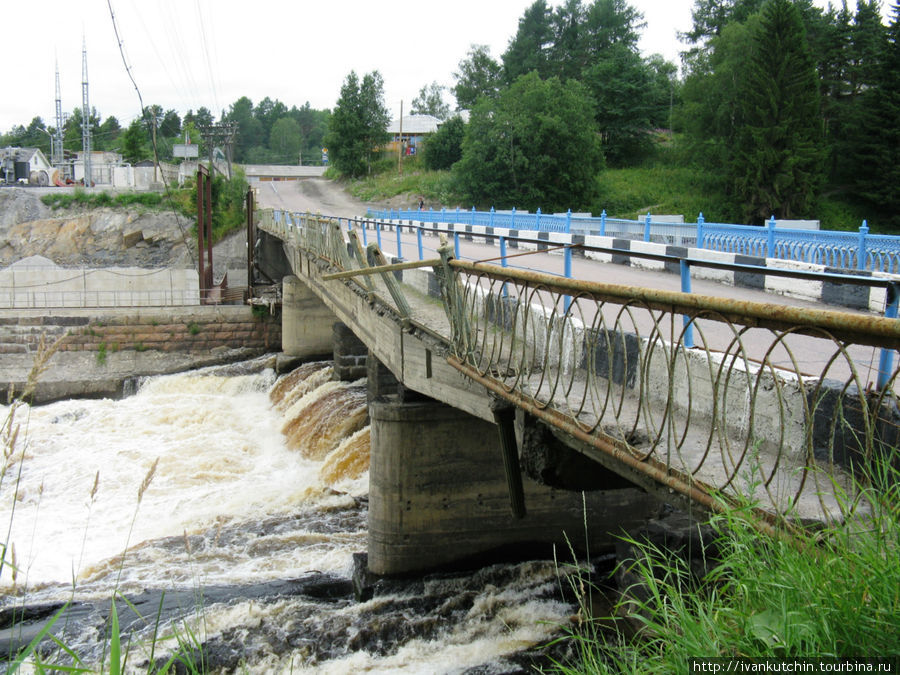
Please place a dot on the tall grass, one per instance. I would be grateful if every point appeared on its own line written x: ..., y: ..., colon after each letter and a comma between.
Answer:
x: 835, y: 593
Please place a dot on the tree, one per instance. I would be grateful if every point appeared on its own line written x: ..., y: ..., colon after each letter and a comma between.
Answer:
x: 285, y: 139
x: 621, y: 85
x: 135, y: 144
x: 268, y: 112
x: 430, y: 101
x: 776, y: 167
x: 170, y: 126
x: 711, y: 16
x: 879, y: 173
x: 313, y: 128
x: 444, y: 147
x: 358, y: 125
x: 108, y: 134
x: 530, y: 47
x: 479, y: 75
x: 249, y: 129
x: 202, y: 118
x: 535, y: 146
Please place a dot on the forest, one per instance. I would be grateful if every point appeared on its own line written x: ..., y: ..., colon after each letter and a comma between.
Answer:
x: 778, y: 107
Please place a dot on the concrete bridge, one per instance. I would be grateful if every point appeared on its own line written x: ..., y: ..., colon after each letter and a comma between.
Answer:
x: 510, y: 408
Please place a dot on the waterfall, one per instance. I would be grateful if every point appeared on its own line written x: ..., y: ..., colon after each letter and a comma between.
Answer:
x: 241, y: 497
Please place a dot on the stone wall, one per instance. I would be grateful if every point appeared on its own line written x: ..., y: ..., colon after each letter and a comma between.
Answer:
x: 185, y: 330
x: 100, y: 351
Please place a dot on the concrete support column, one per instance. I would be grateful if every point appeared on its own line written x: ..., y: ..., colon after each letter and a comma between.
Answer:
x: 438, y: 496
x: 349, y: 354
x: 382, y: 382
x: 306, y: 322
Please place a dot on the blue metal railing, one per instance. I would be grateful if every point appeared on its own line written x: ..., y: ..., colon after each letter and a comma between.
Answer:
x: 842, y: 250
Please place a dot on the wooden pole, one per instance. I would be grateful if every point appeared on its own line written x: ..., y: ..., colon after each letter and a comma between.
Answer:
x: 400, y: 144
x: 409, y: 265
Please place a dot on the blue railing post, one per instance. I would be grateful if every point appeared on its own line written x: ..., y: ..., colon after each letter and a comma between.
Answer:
x: 700, y: 235
x: 419, y: 241
x: 567, y: 271
x: 861, y: 252
x: 492, y: 217
x: 569, y: 221
x: 458, y: 220
x: 503, y: 262
x: 399, y: 245
x: 886, y: 362
x: 365, y: 236
x: 537, y: 220
x: 512, y: 219
x: 647, y: 228
x: 686, y: 288
x: 456, y: 244
x: 443, y: 215
x: 603, y: 223
x: 770, y: 244
x: 472, y: 217
x: 378, y: 234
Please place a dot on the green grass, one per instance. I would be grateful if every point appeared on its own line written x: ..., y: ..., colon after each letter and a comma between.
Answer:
x: 832, y: 594
x: 662, y: 184
x: 150, y: 200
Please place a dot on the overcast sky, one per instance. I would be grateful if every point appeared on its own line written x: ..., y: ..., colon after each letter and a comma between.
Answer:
x: 185, y: 54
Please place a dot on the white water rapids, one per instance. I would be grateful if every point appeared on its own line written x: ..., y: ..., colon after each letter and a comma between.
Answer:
x: 218, y: 480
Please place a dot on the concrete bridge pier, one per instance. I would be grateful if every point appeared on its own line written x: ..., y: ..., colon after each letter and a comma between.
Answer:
x: 306, y: 322
x: 439, y: 497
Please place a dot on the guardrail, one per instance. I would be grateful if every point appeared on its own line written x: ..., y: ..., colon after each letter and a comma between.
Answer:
x: 843, y: 250
x: 711, y: 397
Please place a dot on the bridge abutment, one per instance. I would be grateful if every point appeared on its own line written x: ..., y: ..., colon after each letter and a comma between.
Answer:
x: 306, y: 322
x: 438, y: 495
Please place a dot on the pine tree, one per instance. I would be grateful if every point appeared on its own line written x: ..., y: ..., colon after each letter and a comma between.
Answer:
x: 358, y: 125
x: 530, y: 47
x: 776, y: 167
x: 881, y: 174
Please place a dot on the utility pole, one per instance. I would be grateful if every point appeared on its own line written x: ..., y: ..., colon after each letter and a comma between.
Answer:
x: 219, y: 133
x: 400, y: 144
x: 56, y: 141
x: 85, y: 119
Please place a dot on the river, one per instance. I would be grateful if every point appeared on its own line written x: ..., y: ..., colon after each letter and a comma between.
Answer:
x: 230, y: 503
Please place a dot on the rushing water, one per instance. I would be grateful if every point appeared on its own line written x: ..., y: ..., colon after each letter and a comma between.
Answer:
x: 237, y: 502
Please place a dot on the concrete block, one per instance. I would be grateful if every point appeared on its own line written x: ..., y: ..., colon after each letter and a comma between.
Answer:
x: 438, y: 496
x: 306, y: 321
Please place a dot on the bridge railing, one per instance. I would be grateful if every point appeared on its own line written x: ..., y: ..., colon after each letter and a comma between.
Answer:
x: 843, y: 250
x: 714, y: 398
x: 765, y: 404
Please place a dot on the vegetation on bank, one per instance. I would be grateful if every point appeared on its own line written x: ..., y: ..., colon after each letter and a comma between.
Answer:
x: 662, y: 184
x: 228, y: 197
x: 834, y: 593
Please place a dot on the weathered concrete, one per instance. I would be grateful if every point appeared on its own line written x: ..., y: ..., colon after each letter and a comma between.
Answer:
x: 349, y: 354
x: 438, y: 495
x: 306, y: 328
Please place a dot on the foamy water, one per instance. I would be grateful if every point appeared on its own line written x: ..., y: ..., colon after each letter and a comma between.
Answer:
x: 245, y: 481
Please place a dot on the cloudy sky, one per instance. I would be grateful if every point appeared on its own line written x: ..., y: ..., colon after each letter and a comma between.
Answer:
x: 184, y: 54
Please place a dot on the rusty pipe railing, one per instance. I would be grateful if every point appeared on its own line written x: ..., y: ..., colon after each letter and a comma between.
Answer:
x: 775, y: 404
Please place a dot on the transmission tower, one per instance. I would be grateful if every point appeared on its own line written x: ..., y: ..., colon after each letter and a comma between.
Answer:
x: 56, y: 142
x: 85, y: 119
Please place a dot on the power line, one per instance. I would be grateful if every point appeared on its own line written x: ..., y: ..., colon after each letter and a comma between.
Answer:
x: 112, y: 16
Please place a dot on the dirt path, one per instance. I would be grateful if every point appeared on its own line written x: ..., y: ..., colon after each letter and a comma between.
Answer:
x: 316, y: 195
